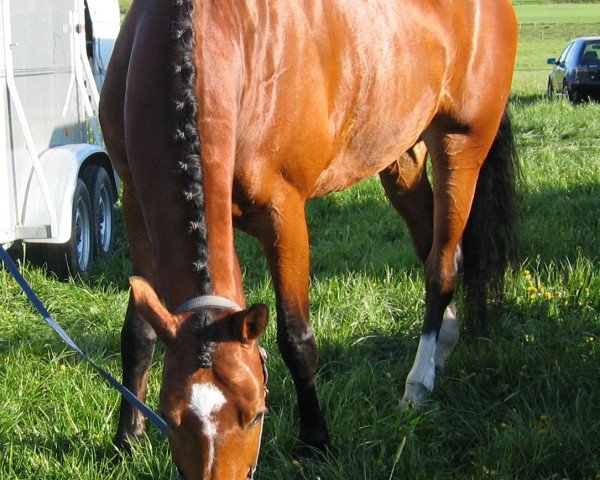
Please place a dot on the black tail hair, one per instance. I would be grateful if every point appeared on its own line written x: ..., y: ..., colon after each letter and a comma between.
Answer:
x: 490, y: 237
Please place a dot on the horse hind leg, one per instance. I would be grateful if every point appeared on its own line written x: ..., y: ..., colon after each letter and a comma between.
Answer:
x: 457, y: 156
x: 408, y: 189
x: 456, y: 160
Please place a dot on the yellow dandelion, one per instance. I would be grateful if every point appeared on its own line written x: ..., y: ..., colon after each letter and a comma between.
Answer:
x: 549, y: 296
x: 544, y: 418
x: 533, y: 296
x: 503, y: 425
x: 62, y: 367
x: 526, y: 273
x: 531, y: 288
x: 543, y: 431
x: 295, y: 462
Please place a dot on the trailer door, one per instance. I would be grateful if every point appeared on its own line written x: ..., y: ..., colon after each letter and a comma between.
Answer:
x: 103, y: 20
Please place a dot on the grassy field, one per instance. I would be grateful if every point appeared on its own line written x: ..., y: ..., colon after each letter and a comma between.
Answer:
x: 523, y: 403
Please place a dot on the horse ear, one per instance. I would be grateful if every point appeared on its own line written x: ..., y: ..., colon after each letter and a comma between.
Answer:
x: 149, y: 306
x: 250, y: 324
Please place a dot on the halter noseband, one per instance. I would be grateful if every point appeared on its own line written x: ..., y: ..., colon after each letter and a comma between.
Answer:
x: 208, y: 301
x: 222, y: 303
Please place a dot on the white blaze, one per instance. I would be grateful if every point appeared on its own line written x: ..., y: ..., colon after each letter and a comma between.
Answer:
x: 205, y: 401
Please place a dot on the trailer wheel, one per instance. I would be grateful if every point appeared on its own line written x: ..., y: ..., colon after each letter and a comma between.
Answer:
x: 75, y: 257
x: 102, y: 200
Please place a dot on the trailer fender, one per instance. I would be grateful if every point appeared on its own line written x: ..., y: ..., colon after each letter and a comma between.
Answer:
x: 62, y: 166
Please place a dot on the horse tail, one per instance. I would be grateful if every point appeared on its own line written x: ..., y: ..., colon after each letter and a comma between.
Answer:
x: 187, y: 135
x: 490, y: 238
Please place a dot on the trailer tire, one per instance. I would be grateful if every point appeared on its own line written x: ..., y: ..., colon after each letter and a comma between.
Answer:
x: 102, y: 200
x: 75, y: 257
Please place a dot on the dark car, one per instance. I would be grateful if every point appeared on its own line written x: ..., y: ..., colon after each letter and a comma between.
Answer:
x: 576, y: 74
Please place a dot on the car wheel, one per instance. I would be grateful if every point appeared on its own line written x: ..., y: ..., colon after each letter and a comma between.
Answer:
x: 550, y: 92
x: 569, y: 94
x: 102, y: 200
x: 74, y: 257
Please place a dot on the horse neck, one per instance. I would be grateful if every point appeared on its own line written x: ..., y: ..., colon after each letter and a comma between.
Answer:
x: 206, y: 186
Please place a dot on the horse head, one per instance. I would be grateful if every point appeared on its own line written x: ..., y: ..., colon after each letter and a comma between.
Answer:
x: 214, y: 385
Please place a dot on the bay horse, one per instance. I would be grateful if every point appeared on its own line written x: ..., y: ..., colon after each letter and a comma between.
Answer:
x: 234, y: 114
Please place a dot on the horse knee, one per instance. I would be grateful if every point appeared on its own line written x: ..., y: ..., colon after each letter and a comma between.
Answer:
x: 299, y: 350
x: 138, y: 340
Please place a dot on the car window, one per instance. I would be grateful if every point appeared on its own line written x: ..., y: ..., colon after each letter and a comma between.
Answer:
x: 563, y: 55
x: 573, y: 51
x: 591, y: 53
x: 566, y: 51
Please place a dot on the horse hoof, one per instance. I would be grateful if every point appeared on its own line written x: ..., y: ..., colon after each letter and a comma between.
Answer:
x: 313, y: 442
x: 124, y: 442
x: 415, y: 395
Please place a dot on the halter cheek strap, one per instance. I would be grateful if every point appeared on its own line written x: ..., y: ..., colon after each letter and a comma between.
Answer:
x: 208, y: 301
x: 263, y: 361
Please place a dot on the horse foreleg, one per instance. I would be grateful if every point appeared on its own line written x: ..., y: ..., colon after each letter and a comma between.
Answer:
x: 137, y: 336
x: 286, y: 246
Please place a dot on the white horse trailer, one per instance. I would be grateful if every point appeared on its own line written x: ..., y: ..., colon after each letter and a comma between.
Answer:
x: 57, y: 187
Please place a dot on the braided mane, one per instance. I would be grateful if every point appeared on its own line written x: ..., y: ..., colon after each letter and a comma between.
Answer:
x: 187, y: 136
x: 189, y: 166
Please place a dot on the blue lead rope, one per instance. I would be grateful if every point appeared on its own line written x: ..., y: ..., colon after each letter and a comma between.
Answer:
x: 130, y: 397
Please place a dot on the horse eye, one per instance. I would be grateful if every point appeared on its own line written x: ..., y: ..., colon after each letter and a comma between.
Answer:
x: 257, y: 419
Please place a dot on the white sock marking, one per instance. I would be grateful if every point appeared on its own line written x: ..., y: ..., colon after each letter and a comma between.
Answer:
x: 205, y: 401
x: 423, y: 370
x: 448, y: 337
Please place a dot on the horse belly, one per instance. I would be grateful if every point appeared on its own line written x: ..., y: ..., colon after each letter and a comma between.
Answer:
x: 387, y: 126
x: 364, y: 156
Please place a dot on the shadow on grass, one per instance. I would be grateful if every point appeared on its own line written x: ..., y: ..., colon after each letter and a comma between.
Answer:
x: 362, y: 233
x: 521, y: 100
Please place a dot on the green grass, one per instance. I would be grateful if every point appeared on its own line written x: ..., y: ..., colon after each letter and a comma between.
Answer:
x: 523, y: 403
x: 553, y: 3
x: 124, y: 5
x: 584, y: 12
